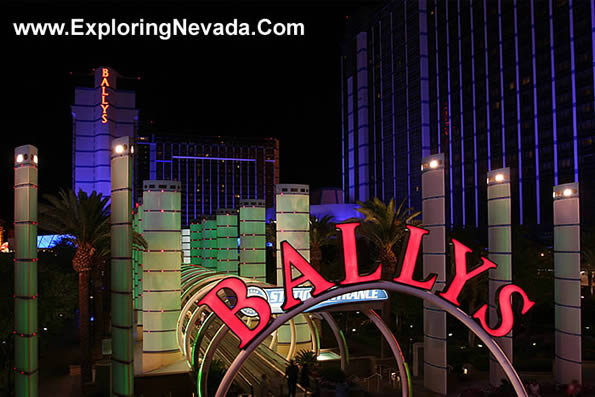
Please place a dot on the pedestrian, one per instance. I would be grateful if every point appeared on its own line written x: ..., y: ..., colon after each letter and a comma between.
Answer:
x: 292, y: 376
x: 265, y: 386
x: 534, y: 389
x: 575, y: 389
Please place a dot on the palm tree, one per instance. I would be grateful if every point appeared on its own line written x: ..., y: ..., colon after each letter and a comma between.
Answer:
x: 385, y: 227
x: 85, y: 219
x: 321, y: 230
x: 588, y: 259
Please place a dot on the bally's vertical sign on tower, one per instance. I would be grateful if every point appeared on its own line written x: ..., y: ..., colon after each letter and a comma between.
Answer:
x: 106, y: 80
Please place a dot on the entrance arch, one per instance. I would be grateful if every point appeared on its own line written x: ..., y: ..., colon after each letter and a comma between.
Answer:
x: 425, y: 295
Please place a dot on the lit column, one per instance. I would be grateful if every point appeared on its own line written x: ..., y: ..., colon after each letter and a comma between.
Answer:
x: 162, y: 270
x: 293, y: 221
x: 209, y: 242
x: 26, y: 342
x: 227, y: 241
x: 293, y: 226
x: 434, y: 261
x: 567, y: 284
x: 500, y: 252
x: 253, y: 239
x: 121, y: 250
x: 195, y: 242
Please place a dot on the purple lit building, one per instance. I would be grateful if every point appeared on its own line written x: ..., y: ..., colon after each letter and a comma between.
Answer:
x: 490, y: 84
x: 99, y: 114
x: 215, y: 172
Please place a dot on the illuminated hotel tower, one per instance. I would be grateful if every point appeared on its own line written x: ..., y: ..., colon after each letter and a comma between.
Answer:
x: 434, y: 262
x: 491, y: 84
x: 99, y: 115
x: 162, y: 271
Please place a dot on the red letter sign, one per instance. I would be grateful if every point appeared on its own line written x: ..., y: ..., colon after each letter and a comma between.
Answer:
x: 506, y: 308
x: 229, y: 316
x: 350, y: 257
x: 406, y: 276
x: 461, y: 275
x: 291, y: 257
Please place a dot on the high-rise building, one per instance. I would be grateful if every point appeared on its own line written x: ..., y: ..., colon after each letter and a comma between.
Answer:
x: 99, y: 114
x: 490, y: 84
x: 214, y: 172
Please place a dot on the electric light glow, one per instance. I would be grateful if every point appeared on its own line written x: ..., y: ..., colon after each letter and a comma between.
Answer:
x: 35, y: 159
x: 433, y: 163
x: 19, y: 158
x: 120, y: 149
x: 567, y: 192
x: 499, y: 177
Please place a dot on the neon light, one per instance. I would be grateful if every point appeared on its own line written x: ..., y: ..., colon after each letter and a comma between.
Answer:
x: 256, y: 302
x: 505, y: 304
x: 411, y: 253
x: 228, y: 316
x: 104, y: 94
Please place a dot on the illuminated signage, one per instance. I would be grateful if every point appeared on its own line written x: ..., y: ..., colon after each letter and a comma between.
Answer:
x: 276, y: 296
x: 292, y: 297
x: 104, y: 94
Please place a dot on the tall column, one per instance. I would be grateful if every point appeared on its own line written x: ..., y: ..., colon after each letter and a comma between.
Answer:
x: 185, y: 246
x: 434, y: 261
x: 162, y: 271
x: 567, y: 284
x: 121, y: 270
x: 293, y: 226
x: 195, y: 242
x: 253, y: 239
x: 227, y: 241
x: 500, y: 252
x: 209, y: 242
x: 26, y: 341
x: 293, y: 221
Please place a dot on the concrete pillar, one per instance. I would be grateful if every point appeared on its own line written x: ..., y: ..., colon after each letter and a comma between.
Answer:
x: 434, y: 261
x: 121, y: 267
x: 195, y: 242
x: 293, y: 226
x: 293, y: 221
x: 227, y: 241
x: 567, y: 284
x: 209, y: 242
x: 500, y: 252
x: 26, y: 339
x: 162, y: 271
x: 253, y: 239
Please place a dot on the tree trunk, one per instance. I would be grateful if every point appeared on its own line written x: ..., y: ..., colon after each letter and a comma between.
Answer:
x: 315, y: 256
x: 84, y: 326
x: 388, y: 260
x: 99, y: 318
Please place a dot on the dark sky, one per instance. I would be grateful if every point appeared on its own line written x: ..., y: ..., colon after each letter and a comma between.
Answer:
x: 285, y: 87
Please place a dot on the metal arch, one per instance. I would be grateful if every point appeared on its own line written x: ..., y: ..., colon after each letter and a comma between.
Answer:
x: 313, y: 335
x: 340, y: 341
x: 469, y: 322
x: 394, y: 346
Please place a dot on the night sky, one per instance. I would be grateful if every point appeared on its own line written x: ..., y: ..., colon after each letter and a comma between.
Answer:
x: 284, y: 87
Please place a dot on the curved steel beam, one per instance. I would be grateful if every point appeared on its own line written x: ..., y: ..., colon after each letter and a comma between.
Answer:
x: 340, y: 341
x: 394, y: 346
x: 203, y: 373
x: 469, y: 322
x: 313, y: 335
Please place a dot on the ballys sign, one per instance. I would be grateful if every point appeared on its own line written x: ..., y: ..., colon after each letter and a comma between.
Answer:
x: 291, y: 260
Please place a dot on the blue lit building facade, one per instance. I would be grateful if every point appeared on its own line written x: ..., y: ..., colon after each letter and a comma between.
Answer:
x: 490, y: 84
x: 99, y: 114
x: 215, y: 172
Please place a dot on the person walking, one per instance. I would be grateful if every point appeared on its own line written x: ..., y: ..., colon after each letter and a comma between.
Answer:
x: 292, y: 375
x: 305, y: 377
